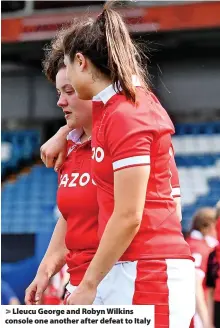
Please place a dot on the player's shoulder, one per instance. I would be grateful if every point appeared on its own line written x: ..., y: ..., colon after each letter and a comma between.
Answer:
x: 123, y: 111
x: 147, y: 110
x: 118, y: 105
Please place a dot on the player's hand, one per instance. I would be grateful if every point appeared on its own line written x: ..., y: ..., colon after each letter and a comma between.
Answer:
x: 53, y: 152
x: 34, y: 292
x: 82, y: 295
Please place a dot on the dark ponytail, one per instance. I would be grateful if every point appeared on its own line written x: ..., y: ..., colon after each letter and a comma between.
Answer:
x: 107, y: 43
x: 124, y: 59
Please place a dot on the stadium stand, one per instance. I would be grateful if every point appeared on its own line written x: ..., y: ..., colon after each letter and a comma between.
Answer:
x: 28, y: 203
x: 18, y: 147
x: 197, y: 153
x: 19, y: 150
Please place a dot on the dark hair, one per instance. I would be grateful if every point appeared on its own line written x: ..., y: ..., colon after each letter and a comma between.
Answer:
x: 107, y: 43
x: 54, y: 56
x: 203, y: 218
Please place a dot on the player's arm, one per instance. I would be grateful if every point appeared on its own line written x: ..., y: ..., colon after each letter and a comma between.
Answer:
x: 53, y: 152
x: 175, y: 184
x: 52, y: 262
x: 54, y: 258
x: 131, y: 166
x: 130, y: 185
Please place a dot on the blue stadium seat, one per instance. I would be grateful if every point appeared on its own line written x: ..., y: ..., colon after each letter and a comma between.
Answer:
x: 24, y: 145
x: 197, y: 154
x: 28, y: 203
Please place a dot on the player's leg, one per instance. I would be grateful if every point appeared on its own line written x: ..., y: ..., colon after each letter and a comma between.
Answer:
x: 170, y: 286
x: 167, y: 284
x: 118, y: 287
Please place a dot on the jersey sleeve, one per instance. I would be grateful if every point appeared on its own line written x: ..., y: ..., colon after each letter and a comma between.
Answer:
x: 128, y: 139
x: 174, y: 175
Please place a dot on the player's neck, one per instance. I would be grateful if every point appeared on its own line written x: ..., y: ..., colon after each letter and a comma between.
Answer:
x: 99, y: 85
x: 87, y: 131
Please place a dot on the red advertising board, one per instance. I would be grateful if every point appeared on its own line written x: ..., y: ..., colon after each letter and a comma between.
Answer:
x: 189, y: 16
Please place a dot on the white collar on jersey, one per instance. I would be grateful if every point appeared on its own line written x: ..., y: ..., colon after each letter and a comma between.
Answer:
x: 211, y: 241
x: 109, y: 92
x: 195, y: 234
x: 75, y: 135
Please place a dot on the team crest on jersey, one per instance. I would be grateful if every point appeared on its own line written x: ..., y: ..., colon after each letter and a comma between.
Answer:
x: 71, y: 149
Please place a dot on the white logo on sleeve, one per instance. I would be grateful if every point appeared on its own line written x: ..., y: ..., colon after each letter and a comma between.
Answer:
x: 98, y: 154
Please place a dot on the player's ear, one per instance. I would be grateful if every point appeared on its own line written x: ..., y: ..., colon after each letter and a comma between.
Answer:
x: 81, y: 60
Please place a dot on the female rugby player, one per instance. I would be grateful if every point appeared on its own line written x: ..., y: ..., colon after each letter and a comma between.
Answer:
x: 131, y: 142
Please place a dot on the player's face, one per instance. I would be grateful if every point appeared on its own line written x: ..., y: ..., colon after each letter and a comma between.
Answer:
x: 80, y: 75
x: 78, y: 113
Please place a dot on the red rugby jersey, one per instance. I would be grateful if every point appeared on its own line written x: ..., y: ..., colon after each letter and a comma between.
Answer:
x: 200, y: 250
x: 126, y: 135
x: 77, y: 201
x: 174, y: 175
